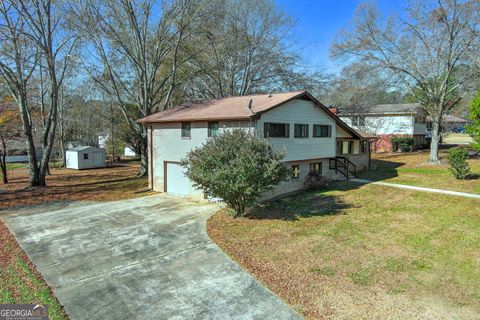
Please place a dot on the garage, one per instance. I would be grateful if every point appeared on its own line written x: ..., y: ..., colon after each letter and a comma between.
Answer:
x: 175, y: 180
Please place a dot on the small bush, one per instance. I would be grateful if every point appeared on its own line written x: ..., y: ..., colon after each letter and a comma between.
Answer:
x: 314, y: 180
x: 457, y: 159
x: 236, y: 166
x: 404, y: 144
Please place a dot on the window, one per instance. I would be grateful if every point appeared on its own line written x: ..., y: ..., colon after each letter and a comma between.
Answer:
x: 346, y: 147
x: 301, y: 131
x: 429, y: 126
x: 361, y: 121
x: 213, y: 129
x: 358, y: 121
x: 316, y: 167
x: 339, y: 147
x: 276, y: 130
x: 186, y: 130
x: 322, y: 131
x: 364, y: 146
x: 355, y: 121
x: 295, y: 171
x: 350, y: 147
x: 85, y: 156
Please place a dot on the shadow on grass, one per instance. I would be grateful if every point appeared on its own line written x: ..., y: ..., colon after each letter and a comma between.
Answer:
x: 381, y: 170
x: 306, y: 204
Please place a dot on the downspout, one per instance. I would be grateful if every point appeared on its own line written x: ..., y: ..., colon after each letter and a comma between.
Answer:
x: 150, y: 146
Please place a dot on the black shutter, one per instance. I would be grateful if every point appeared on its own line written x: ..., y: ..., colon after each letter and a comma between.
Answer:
x: 265, y: 130
x: 287, y: 128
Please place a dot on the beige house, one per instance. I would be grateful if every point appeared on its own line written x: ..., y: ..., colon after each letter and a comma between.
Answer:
x: 314, y: 138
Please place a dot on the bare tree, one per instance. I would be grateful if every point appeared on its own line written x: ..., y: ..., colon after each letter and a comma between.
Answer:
x: 242, y: 48
x: 359, y: 86
x: 135, y: 54
x: 32, y: 35
x: 422, y: 51
x: 18, y: 60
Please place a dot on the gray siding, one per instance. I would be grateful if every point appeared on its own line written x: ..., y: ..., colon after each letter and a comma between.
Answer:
x: 168, y: 145
x: 301, y: 112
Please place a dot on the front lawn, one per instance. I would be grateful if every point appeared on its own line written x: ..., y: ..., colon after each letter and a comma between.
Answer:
x: 413, y: 169
x: 364, y: 253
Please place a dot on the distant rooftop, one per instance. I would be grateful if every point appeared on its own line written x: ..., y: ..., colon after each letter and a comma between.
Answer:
x: 400, y: 108
x: 448, y: 118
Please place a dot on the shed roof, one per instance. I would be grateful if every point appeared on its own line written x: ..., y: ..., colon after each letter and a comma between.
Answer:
x: 82, y: 148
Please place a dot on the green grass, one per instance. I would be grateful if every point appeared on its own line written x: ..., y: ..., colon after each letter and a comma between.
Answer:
x: 20, y: 285
x: 11, y: 166
x: 417, y: 250
x: 413, y: 169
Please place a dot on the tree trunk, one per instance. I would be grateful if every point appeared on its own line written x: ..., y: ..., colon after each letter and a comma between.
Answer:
x: 33, y: 180
x: 3, y: 163
x: 50, y: 138
x: 143, y: 162
x: 435, y: 140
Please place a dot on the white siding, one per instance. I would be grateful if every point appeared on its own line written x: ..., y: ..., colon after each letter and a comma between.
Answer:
x: 342, y: 133
x: 386, y: 124
x: 71, y: 159
x: 301, y: 112
x: 75, y: 159
x: 168, y: 145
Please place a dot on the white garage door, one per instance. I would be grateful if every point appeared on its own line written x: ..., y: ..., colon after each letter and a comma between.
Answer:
x: 177, y: 182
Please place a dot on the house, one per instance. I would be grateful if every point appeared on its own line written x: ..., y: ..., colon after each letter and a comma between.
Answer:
x: 387, y: 121
x: 85, y: 157
x: 450, y: 123
x: 313, y: 137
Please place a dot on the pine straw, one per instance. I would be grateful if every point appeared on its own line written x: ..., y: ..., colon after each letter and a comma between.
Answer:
x: 105, y: 184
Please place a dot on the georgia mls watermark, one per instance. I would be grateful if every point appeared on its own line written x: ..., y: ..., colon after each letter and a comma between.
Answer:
x: 23, y: 312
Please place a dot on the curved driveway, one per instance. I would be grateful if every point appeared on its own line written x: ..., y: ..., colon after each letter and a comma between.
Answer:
x: 146, y: 258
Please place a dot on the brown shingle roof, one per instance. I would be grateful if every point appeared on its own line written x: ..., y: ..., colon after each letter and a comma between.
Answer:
x: 230, y: 108
x: 236, y: 108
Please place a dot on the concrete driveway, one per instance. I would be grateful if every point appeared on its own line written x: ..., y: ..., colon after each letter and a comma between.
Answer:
x: 146, y: 258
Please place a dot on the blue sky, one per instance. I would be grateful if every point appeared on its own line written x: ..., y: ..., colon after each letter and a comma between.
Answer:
x: 317, y: 23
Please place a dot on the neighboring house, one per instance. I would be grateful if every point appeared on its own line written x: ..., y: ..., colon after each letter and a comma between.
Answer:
x: 313, y: 137
x: 102, y: 140
x: 450, y: 123
x: 85, y: 157
x: 387, y: 121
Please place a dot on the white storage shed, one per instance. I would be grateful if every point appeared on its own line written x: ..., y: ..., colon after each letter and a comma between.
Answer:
x: 85, y: 157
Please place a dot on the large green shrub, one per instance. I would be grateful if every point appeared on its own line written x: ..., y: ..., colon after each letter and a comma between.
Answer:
x: 457, y: 159
x: 404, y: 144
x: 474, y: 127
x: 237, y: 167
